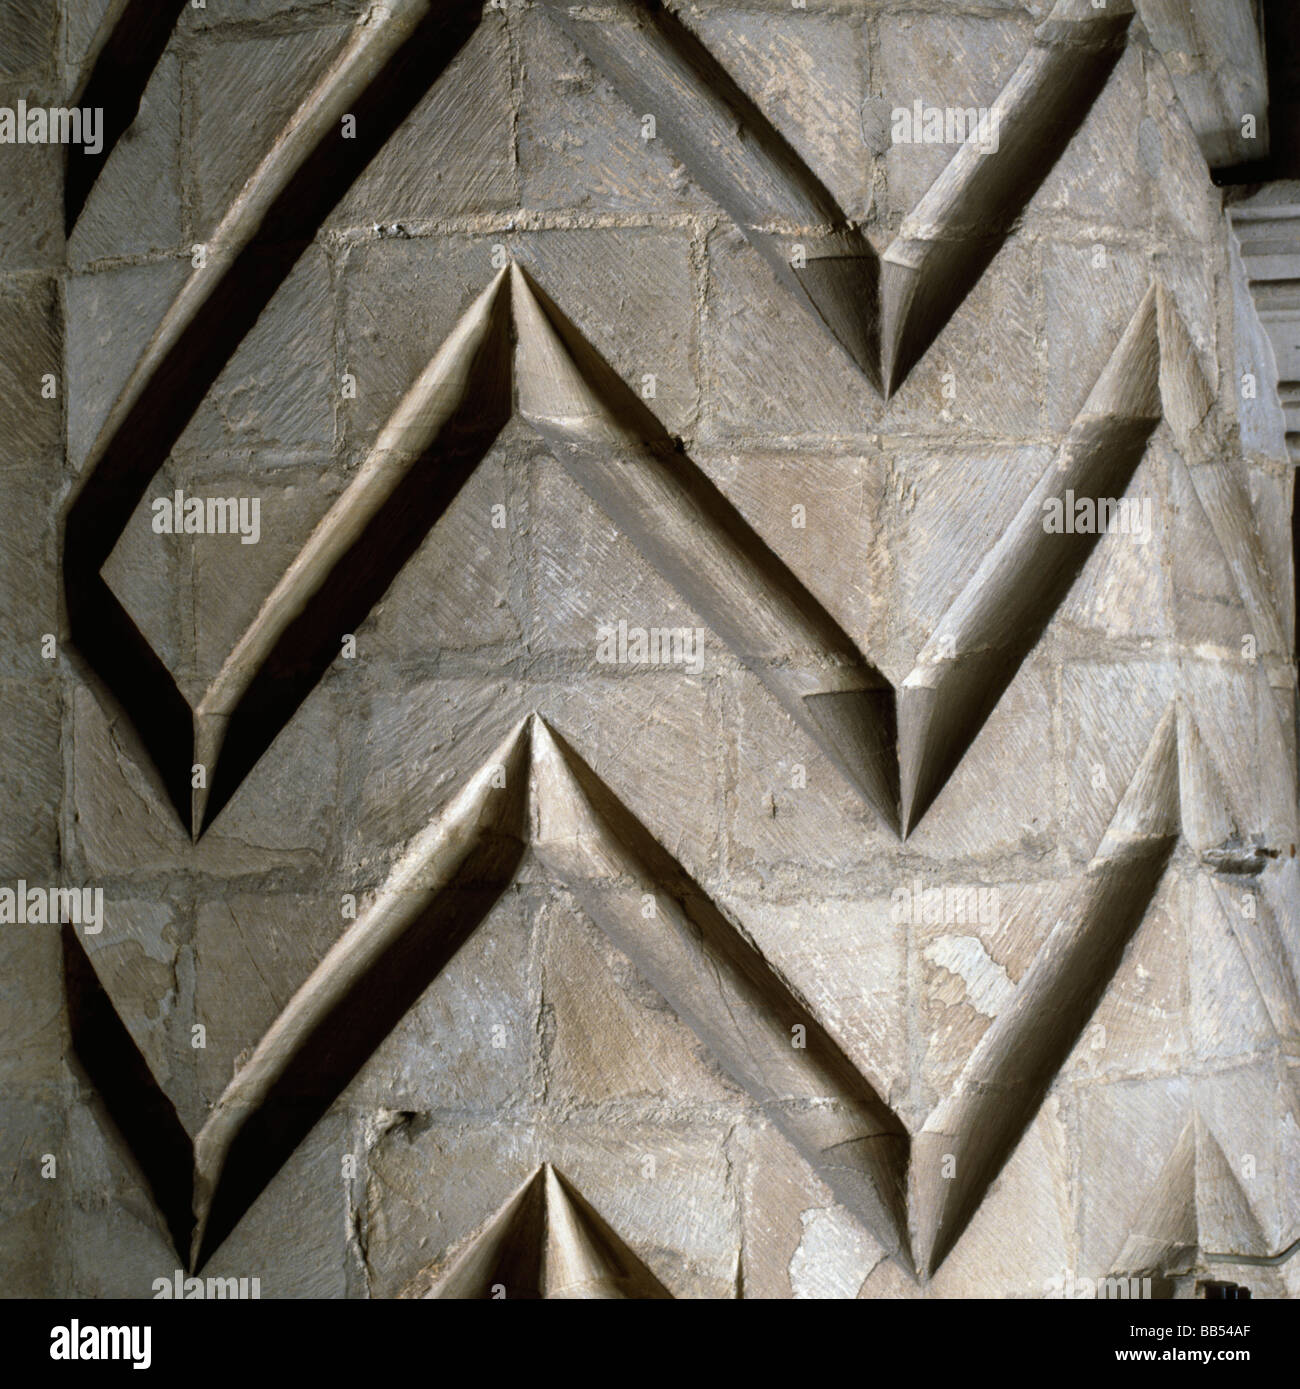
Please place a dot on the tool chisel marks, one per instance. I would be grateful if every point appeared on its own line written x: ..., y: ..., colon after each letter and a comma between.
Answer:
x: 545, y: 1242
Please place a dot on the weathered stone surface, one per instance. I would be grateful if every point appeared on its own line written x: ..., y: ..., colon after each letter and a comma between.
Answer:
x: 117, y: 221
x: 33, y: 776
x: 932, y: 58
x: 952, y: 834
x: 27, y: 33
x: 30, y: 233
x: 229, y: 136
x: 111, y: 317
x: 580, y: 145
x: 454, y: 155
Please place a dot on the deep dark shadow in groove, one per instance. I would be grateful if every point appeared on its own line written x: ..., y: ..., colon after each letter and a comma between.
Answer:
x: 1117, y: 906
x: 341, y: 1044
x: 116, y: 85
x: 112, y: 646
x: 960, y: 709
x: 130, y: 1098
x: 883, y: 1156
x: 519, y: 1264
x: 1282, y: 55
x: 167, y: 403
x: 1004, y: 182
x: 311, y: 643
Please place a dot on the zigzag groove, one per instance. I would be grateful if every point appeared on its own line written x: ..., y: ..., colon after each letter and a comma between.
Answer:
x: 378, y: 75
x: 983, y: 639
x: 682, y: 525
x: 536, y: 791
x: 622, y: 456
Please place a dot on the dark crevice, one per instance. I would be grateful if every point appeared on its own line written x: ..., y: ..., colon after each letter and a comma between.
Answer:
x: 149, y: 1131
x: 170, y: 398
x: 116, y: 86
x: 1282, y: 56
x: 357, y: 582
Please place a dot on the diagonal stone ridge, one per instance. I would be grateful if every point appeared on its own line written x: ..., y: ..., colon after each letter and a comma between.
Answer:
x: 536, y: 792
x: 948, y: 240
x: 438, y: 433
x: 545, y: 1242
x: 997, y: 619
x: 514, y: 352
x: 885, y: 312
x: 736, y: 155
x: 1176, y: 794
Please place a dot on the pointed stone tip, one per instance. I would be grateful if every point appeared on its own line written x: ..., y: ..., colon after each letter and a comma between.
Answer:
x: 900, y: 349
x: 209, y: 736
x: 198, y: 812
x: 1185, y: 393
x: 1150, y: 808
x: 521, y: 283
x: 1129, y: 385
x: 920, y: 777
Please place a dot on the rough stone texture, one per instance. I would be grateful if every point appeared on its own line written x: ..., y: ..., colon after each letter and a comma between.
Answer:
x: 657, y: 798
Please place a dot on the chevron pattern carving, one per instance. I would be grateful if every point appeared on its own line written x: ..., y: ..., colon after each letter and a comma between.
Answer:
x: 916, y: 1183
x: 535, y: 791
x: 695, y: 539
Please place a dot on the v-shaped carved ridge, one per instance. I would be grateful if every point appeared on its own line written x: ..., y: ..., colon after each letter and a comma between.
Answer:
x: 535, y: 791
x: 620, y: 454
x: 949, y: 239
x: 378, y: 75
x: 546, y: 1241
x: 885, y: 312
